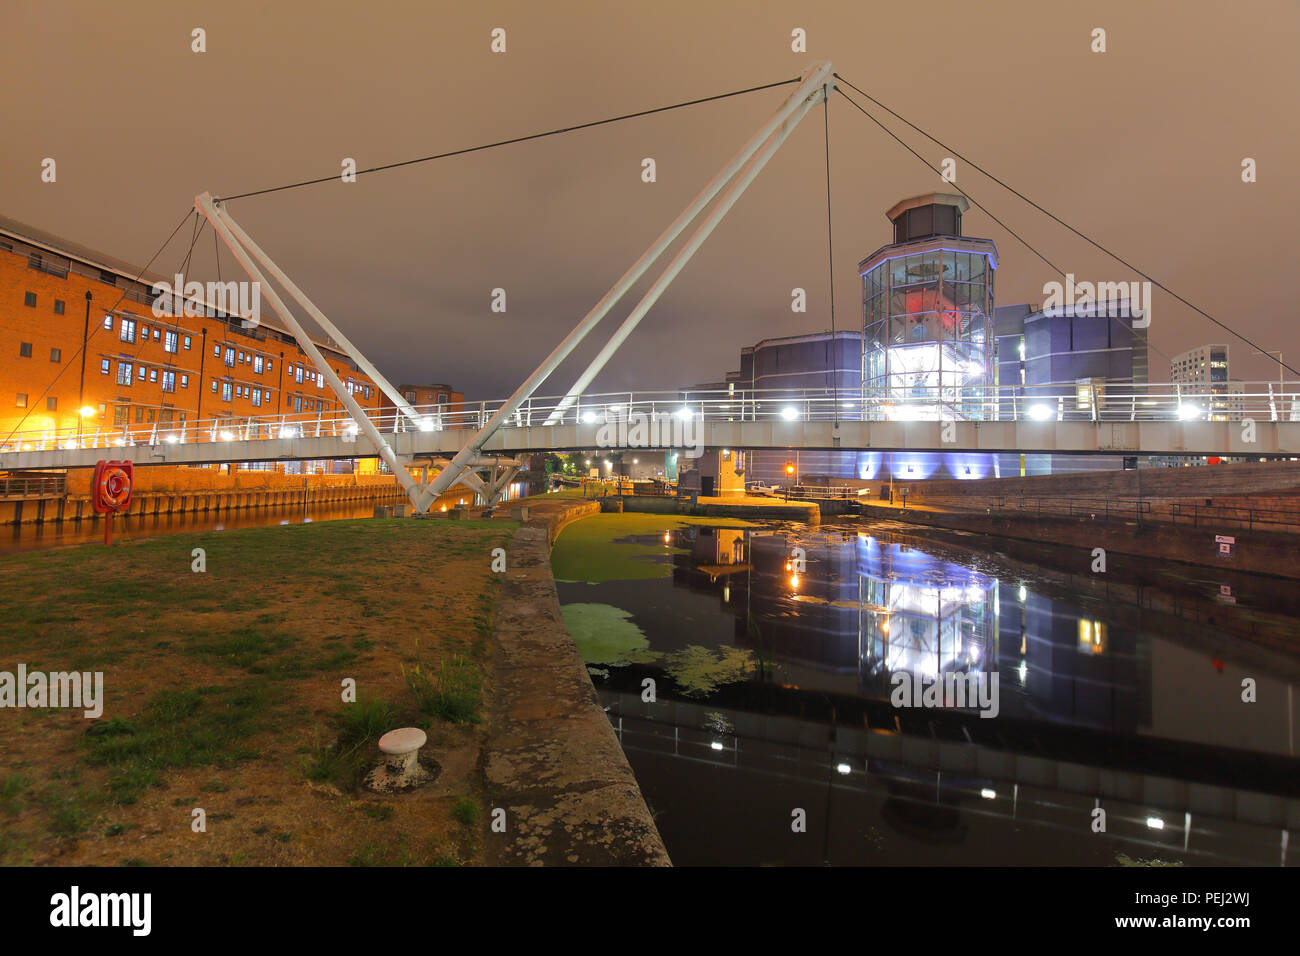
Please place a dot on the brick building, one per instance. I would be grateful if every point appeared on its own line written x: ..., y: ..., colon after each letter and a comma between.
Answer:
x: 140, y: 375
x: 444, y: 403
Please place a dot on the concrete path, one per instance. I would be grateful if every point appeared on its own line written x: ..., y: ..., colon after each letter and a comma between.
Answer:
x: 552, y: 760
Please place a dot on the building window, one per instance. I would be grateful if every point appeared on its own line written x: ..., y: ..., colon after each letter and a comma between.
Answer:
x: 171, y: 342
x: 297, y: 403
x: 60, y: 307
x: 187, y: 343
x: 139, y: 373
x: 153, y: 375
x: 442, y: 397
x: 410, y: 397
x: 21, y: 400
x: 104, y: 366
x: 124, y: 373
x: 269, y: 364
x: 257, y: 398
x: 157, y: 334
x: 56, y: 355
x: 227, y: 391
x: 266, y: 394
x: 185, y: 381
x: 216, y: 351
x: 214, y: 386
x: 120, y: 413
x: 127, y: 332
x: 29, y: 299
x: 108, y: 321
x: 25, y: 349
x: 51, y: 404
x: 257, y: 364
x: 107, y: 277
x: 169, y: 381
x: 297, y: 374
x: 230, y: 356
x: 144, y: 334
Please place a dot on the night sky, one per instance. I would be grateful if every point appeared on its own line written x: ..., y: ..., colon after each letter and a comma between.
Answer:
x: 1141, y: 147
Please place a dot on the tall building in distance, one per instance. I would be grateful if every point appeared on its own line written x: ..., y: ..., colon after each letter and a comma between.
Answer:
x: 1204, y: 371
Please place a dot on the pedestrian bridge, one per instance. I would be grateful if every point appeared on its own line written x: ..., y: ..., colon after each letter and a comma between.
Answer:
x: 1124, y: 420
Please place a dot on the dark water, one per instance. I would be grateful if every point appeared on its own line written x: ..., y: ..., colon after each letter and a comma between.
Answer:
x: 35, y: 537
x: 773, y: 688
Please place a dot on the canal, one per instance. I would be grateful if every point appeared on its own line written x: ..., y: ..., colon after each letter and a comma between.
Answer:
x: 36, y: 537
x: 754, y: 671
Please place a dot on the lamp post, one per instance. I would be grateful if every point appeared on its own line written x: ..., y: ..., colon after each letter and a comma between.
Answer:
x: 1281, y: 384
x: 81, y: 391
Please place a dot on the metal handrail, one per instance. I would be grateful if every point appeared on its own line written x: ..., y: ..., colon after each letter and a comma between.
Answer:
x: 1033, y: 405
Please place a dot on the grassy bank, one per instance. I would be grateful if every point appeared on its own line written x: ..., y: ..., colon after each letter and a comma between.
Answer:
x: 224, y: 692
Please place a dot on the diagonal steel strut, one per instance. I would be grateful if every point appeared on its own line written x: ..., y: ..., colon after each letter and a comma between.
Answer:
x: 248, y: 258
x: 808, y: 93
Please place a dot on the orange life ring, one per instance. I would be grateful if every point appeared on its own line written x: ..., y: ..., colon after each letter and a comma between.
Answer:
x: 114, y: 486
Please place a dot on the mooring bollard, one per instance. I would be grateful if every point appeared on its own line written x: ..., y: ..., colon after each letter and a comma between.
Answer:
x: 402, y: 748
x: 402, y: 768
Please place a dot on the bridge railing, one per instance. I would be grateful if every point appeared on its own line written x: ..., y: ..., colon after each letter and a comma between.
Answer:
x: 1261, y: 401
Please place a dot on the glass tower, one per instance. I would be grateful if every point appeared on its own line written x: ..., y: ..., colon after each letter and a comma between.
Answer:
x: 927, y: 333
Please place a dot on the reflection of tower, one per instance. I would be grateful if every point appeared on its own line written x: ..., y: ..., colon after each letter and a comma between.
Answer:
x: 921, y: 615
x: 927, y: 345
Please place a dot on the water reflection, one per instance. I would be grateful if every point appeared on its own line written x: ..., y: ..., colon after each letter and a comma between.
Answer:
x: 1137, y: 679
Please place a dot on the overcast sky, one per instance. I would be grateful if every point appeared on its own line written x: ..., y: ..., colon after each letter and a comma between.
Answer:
x: 1140, y: 147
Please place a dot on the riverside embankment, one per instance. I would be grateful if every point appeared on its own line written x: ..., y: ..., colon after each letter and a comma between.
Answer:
x: 552, y: 760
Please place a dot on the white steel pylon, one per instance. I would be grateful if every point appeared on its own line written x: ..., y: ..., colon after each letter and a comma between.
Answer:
x: 815, y: 88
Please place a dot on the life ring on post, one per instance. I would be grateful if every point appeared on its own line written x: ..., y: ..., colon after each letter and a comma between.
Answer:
x: 111, y: 486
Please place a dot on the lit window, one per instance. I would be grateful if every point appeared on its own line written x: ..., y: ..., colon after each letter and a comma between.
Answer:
x: 104, y: 366
x: 127, y: 331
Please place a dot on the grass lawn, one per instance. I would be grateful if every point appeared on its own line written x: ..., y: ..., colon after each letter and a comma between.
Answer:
x: 223, y: 691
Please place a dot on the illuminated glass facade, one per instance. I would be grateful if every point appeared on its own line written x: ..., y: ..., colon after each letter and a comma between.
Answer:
x: 928, y: 334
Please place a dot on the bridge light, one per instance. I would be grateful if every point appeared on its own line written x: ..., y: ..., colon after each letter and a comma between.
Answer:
x: 1155, y: 823
x: 1188, y: 412
x: 227, y: 436
x: 988, y: 794
x: 843, y: 768
x: 426, y: 424
x: 86, y: 411
x: 789, y: 468
x: 588, y: 418
x: 172, y: 439
x: 684, y: 414
x: 1041, y: 412
x: 351, y: 429
x: 789, y: 413
x: 288, y: 433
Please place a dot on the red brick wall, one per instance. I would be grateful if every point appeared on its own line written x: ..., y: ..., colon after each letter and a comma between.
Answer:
x: 45, y: 330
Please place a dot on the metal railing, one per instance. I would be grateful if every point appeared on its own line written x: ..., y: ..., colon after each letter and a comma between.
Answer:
x: 674, y: 410
x: 26, y: 486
